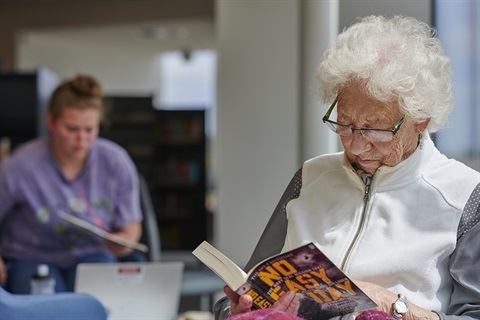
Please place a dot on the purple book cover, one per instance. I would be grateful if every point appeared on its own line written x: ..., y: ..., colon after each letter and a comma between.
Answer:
x: 326, y: 291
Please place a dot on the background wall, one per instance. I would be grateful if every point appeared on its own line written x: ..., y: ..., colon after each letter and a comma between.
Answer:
x: 350, y: 10
x: 124, y: 57
x: 17, y: 15
x: 258, y: 115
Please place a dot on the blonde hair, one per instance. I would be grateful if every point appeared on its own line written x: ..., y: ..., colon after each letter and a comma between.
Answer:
x: 81, y: 92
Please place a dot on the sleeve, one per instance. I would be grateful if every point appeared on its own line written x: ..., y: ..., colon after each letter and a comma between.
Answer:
x: 465, y: 265
x: 271, y: 241
x: 127, y: 201
x: 7, y: 195
x: 273, y: 237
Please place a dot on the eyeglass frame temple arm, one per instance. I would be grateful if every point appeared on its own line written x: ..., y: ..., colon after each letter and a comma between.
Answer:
x: 329, y: 111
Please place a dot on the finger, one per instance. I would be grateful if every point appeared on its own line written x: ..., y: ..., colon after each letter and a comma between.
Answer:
x: 294, y: 304
x: 232, y: 295
x: 245, y: 303
x: 284, y: 301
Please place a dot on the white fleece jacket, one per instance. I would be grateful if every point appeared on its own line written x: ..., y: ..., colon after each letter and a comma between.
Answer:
x: 411, y: 210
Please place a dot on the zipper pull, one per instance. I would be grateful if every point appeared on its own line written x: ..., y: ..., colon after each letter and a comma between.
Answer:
x: 368, y: 182
x: 367, y: 193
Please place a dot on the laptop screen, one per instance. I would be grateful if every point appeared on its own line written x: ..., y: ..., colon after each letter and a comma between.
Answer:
x: 147, y: 290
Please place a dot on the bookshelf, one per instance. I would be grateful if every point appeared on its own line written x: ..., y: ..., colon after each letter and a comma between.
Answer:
x: 168, y: 148
x: 24, y: 100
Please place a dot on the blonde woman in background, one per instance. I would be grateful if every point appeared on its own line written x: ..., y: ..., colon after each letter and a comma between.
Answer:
x: 71, y: 170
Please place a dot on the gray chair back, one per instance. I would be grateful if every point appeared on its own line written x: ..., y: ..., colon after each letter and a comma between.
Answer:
x: 150, y: 235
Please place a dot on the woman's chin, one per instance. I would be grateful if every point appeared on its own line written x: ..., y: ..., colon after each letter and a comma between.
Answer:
x: 367, y: 166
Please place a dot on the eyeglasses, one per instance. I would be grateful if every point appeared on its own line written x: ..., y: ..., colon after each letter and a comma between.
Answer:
x: 376, y: 135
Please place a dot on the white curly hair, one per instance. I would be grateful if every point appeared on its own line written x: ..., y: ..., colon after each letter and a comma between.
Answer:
x: 397, y: 58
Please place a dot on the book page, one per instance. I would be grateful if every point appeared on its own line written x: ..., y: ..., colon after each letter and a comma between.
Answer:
x: 219, y: 263
x: 102, y: 233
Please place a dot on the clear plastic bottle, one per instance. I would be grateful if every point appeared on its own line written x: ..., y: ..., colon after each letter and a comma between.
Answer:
x: 42, y: 282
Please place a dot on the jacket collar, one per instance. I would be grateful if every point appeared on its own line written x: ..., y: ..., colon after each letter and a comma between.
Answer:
x: 404, y: 172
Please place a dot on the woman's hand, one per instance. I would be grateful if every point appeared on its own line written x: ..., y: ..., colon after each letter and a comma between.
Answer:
x: 116, y: 249
x: 385, y: 299
x: 381, y: 296
x: 3, y: 272
x: 288, y: 302
x: 130, y: 232
x: 238, y: 304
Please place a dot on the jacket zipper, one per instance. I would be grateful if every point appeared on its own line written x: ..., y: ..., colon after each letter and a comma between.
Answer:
x: 366, y: 199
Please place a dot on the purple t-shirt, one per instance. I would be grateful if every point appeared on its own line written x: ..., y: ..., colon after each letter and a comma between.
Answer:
x: 33, y: 190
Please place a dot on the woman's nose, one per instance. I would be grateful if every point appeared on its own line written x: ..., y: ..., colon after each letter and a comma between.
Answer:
x: 359, y: 143
x: 82, y: 135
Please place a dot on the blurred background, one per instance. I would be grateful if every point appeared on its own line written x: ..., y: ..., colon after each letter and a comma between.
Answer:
x: 242, y: 73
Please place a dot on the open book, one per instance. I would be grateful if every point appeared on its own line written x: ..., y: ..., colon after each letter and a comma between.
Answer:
x: 326, y: 291
x: 102, y: 233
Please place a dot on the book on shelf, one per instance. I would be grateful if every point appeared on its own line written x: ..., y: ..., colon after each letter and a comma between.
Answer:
x: 326, y: 292
x: 102, y: 233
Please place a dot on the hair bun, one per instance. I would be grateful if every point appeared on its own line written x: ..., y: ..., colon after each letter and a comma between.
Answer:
x: 86, y: 85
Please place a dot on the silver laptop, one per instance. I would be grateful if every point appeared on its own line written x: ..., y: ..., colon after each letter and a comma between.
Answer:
x: 133, y: 291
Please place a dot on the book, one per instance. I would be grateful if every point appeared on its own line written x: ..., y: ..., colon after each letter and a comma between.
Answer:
x: 326, y: 292
x: 102, y: 233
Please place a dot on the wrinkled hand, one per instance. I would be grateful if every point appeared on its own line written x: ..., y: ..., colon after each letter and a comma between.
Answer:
x: 238, y: 304
x: 381, y: 296
x: 385, y: 299
x: 289, y: 302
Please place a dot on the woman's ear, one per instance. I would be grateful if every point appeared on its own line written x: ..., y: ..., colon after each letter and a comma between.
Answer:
x: 420, y: 127
x: 50, y: 123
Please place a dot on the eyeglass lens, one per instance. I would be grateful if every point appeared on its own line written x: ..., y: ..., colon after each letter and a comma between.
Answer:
x: 373, y: 135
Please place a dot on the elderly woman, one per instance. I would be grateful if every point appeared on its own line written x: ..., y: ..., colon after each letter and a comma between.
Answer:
x: 391, y: 211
